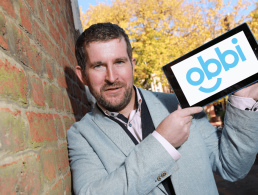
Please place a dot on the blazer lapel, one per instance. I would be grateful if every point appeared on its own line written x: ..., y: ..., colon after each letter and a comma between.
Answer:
x: 157, y: 110
x: 114, y: 131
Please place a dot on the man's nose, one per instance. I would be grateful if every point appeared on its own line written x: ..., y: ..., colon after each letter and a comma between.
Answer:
x: 111, y: 75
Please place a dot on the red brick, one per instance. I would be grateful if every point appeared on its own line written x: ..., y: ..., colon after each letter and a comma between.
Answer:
x: 68, y: 122
x: 74, y: 76
x: 67, y: 68
x: 31, y: 4
x: 48, y: 161
x: 84, y: 98
x: 43, y: 39
x: 53, y: 54
x: 25, y: 17
x: 77, y: 91
x: 72, y: 47
x: 35, y: 58
x: 71, y: 43
x: 74, y: 106
x: 54, y: 32
x: 69, y: 86
x: 22, y: 44
x: 27, y: 52
x: 13, y: 83
x: 3, y: 32
x: 41, y: 12
x: 64, y: 22
x: 60, y: 4
x: 71, y: 57
x: 67, y: 103
x: 61, y: 78
x: 64, y: 47
x: 62, y: 158
x: 69, y: 14
x: 61, y: 29
x: 50, y: 11
x: 37, y: 91
x: 55, y: 3
x: 54, y: 97
x: 65, y: 64
x: 59, y: 126
x: 79, y: 109
x: 58, y: 56
x: 21, y: 176
x: 45, y: 3
x: 68, y: 183
x: 12, y: 130
x: 41, y: 127
x: 49, y: 69
x: 8, y: 7
x: 57, y: 189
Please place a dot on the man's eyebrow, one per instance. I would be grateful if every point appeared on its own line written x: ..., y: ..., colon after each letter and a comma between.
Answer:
x: 122, y: 59
x: 96, y: 63
x: 102, y: 62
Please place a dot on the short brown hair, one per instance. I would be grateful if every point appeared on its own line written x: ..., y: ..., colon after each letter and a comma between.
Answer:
x: 99, y: 32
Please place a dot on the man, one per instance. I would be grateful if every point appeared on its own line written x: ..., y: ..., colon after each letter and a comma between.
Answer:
x: 140, y: 142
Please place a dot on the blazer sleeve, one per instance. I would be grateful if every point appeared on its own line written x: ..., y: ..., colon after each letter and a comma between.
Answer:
x: 137, y: 175
x: 233, y: 150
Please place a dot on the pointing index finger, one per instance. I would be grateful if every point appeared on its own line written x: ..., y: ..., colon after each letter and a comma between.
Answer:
x: 189, y: 111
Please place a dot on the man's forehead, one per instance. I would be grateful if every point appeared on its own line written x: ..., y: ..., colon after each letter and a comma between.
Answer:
x: 104, y: 50
x: 120, y: 39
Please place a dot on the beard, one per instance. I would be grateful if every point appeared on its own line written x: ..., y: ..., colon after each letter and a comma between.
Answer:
x: 112, y: 104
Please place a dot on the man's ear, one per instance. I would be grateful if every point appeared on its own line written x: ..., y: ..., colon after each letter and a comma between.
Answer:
x: 81, y: 75
x: 133, y: 63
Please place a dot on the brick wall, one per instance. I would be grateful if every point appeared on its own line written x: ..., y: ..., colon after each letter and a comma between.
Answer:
x: 40, y: 97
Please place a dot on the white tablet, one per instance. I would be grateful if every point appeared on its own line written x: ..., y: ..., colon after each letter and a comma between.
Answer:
x: 216, y: 69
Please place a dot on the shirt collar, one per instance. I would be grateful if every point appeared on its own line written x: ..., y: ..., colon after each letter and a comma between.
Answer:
x: 115, y: 114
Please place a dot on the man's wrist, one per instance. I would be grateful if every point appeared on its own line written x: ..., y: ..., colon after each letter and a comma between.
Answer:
x: 170, y: 149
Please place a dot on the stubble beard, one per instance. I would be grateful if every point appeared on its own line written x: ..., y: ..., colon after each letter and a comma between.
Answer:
x: 113, y: 106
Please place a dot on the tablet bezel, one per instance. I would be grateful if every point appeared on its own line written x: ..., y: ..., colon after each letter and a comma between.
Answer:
x: 248, y: 81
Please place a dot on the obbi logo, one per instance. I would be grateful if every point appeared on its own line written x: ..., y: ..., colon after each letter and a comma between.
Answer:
x: 219, y: 63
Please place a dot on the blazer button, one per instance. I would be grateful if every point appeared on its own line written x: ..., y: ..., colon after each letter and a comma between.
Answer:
x: 159, y: 178
x: 163, y: 174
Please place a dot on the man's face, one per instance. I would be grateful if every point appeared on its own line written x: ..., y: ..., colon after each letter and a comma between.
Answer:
x: 109, y: 73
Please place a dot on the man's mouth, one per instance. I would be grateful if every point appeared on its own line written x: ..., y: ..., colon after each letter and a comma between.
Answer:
x: 112, y: 88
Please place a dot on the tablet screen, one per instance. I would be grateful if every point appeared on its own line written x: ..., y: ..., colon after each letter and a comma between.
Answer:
x: 216, y: 68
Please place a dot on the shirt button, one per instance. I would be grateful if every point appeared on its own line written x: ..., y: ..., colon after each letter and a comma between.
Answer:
x: 255, y: 109
x: 163, y: 174
x: 130, y: 125
x: 159, y: 178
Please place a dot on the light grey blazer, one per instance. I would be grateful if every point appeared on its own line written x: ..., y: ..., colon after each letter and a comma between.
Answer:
x: 105, y: 161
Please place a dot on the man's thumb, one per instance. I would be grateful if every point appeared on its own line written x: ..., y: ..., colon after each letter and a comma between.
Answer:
x: 178, y: 107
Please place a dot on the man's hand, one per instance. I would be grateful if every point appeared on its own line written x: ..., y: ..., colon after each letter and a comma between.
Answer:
x: 250, y: 92
x: 175, y: 127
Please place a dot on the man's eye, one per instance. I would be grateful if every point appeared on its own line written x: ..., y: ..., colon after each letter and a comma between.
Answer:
x: 119, y: 62
x: 98, y: 66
